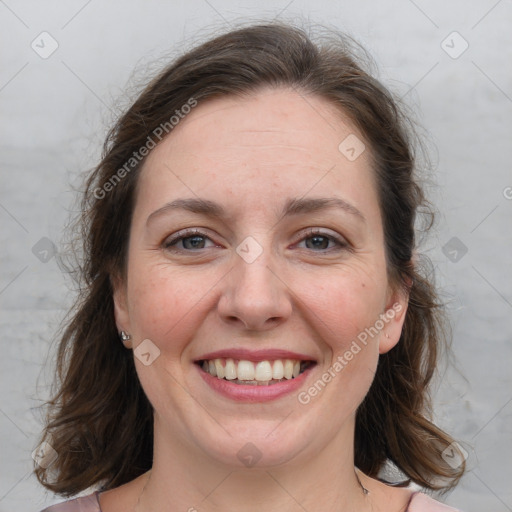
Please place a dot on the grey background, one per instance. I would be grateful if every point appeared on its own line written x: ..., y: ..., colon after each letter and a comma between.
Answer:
x: 55, y: 113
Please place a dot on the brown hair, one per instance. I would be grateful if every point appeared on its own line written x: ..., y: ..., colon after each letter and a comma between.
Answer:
x: 100, y: 421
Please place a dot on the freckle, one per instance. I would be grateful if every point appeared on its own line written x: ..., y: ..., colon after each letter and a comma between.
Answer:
x: 363, y: 285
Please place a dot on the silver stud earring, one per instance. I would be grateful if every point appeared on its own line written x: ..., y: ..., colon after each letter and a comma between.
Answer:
x: 126, y: 339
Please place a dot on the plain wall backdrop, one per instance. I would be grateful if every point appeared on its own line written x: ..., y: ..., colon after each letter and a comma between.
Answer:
x: 60, y: 90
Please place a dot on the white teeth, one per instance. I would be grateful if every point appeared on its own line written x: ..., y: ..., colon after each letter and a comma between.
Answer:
x: 219, y: 369
x: 246, y: 370
x: 263, y: 371
x: 278, y: 369
x: 230, y: 370
x: 250, y: 373
x: 288, y: 369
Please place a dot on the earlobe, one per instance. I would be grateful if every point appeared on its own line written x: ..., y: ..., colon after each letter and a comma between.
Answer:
x: 394, y: 320
x: 126, y: 339
x: 121, y: 315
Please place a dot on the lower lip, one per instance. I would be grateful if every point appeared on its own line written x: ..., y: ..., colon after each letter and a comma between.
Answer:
x: 248, y: 393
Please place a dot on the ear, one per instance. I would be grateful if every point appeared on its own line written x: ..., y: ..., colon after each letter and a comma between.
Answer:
x: 393, y: 317
x: 121, y: 315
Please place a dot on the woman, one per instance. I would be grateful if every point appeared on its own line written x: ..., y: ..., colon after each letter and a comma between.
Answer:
x: 253, y: 330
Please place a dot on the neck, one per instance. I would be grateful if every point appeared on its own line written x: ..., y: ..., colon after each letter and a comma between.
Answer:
x: 184, y: 478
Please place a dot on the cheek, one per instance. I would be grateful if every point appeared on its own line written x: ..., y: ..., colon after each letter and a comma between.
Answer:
x: 164, y: 302
x: 344, y: 311
x: 342, y: 304
x: 166, y: 307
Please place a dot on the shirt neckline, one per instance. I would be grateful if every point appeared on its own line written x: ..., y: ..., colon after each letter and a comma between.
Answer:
x: 97, y: 495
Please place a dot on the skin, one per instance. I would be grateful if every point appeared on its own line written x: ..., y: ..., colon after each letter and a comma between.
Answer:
x: 250, y: 155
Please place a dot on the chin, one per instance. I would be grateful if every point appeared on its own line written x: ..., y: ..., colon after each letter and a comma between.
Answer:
x: 254, y: 443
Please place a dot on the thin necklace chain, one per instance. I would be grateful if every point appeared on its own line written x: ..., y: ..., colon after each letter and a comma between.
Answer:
x: 365, y: 490
x: 136, y: 509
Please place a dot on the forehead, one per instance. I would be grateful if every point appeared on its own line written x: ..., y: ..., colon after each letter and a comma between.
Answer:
x: 271, y: 144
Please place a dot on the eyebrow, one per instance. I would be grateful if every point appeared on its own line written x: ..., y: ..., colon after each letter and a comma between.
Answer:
x: 299, y: 206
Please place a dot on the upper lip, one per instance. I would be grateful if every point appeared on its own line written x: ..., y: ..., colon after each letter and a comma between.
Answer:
x: 255, y: 355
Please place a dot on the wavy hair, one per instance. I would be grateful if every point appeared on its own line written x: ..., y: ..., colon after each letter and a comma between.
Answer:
x: 99, y: 420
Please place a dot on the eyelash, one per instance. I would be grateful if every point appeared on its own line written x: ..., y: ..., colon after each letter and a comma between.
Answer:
x: 310, y: 233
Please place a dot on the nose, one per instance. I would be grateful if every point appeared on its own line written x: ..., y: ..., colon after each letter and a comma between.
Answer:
x: 254, y: 297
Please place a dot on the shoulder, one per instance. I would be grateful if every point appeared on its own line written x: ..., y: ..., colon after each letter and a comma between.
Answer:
x: 88, y: 503
x: 422, y: 503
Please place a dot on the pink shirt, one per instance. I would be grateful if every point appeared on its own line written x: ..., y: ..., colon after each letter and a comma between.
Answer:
x: 419, y: 503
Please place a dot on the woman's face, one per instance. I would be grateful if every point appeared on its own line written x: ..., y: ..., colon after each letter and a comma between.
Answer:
x: 256, y: 245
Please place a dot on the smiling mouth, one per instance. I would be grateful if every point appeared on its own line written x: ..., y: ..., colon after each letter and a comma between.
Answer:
x: 248, y: 373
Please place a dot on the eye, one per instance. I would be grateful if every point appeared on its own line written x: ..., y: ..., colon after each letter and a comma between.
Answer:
x: 320, y: 241
x: 188, y: 240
